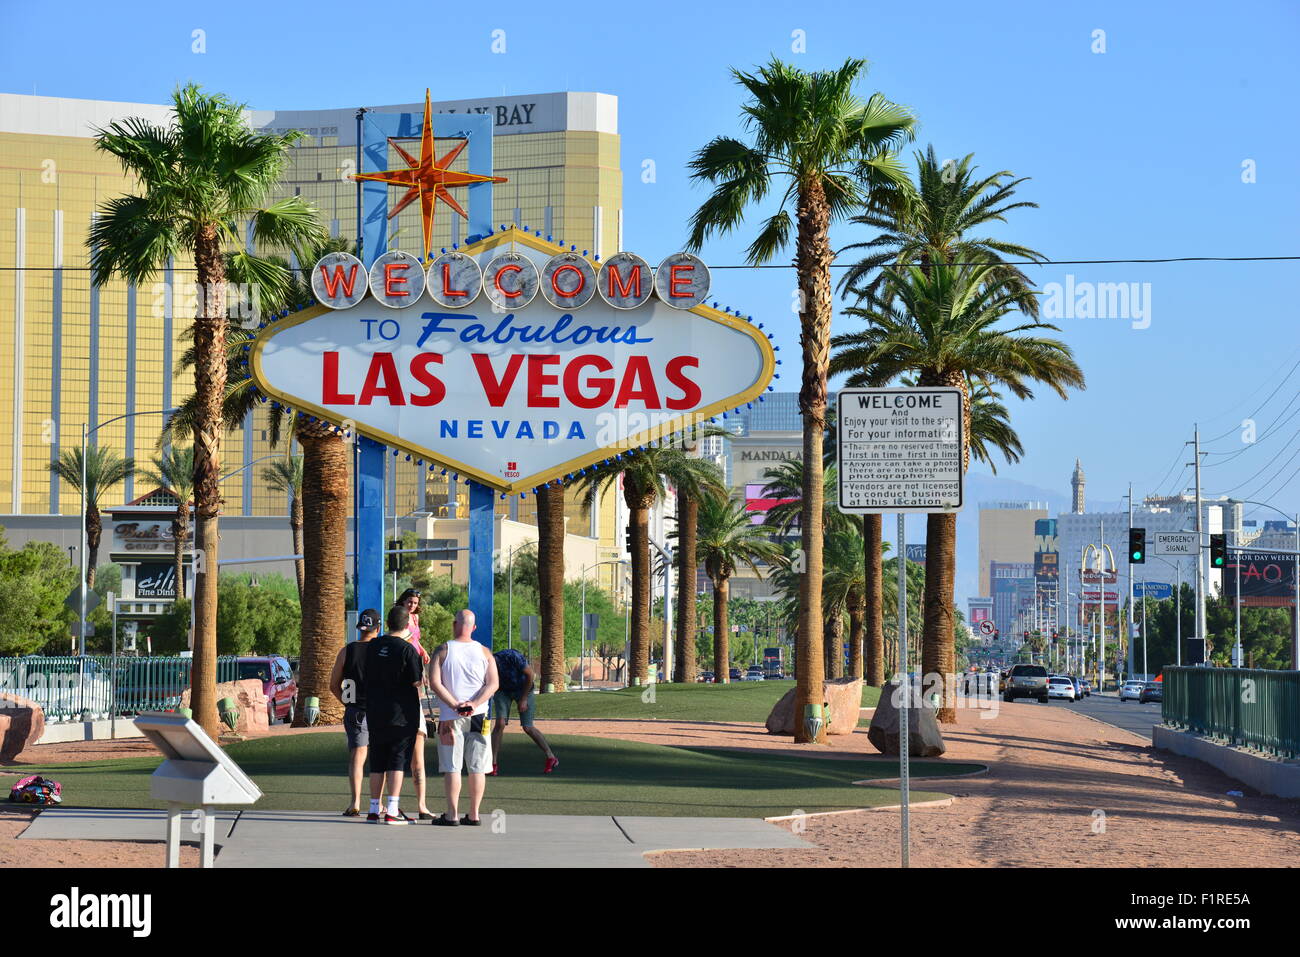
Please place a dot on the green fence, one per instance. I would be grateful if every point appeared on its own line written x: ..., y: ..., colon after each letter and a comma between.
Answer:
x: 1239, y: 706
x: 78, y: 688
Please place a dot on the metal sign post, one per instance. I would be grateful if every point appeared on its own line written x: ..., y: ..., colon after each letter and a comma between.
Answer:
x: 904, y: 747
x: 900, y: 450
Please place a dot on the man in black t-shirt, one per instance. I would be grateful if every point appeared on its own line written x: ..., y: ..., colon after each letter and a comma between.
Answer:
x: 393, y: 674
x: 347, y: 681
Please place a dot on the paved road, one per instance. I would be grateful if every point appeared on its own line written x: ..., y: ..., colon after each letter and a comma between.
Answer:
x: 1129, y: 715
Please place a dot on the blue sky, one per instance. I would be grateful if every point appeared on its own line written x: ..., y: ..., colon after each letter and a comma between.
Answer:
x: 1135, y: 152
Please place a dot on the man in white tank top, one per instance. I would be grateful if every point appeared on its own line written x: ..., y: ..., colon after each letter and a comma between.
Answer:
x: 463, y: 674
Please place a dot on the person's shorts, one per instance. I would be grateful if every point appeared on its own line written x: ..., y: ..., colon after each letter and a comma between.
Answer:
x: 354, y: 723
x: 503, y: 700
x: 470, y: 749
x: 390, y: 750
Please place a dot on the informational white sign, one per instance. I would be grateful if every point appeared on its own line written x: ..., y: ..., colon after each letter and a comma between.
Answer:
x: 1174, y: 543
x: 509, y: 394
x: 900, y: 450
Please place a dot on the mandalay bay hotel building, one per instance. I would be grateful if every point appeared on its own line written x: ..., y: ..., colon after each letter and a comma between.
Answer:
x: 75, y: 354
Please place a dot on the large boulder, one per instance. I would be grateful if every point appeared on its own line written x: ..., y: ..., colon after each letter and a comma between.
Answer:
x: 22, y: 722
x: 924, y: 739
x: 843, y: 698
x: 249, y: 698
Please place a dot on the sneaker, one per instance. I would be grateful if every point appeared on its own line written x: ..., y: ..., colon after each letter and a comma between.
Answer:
x: 443, y: 821
x: 468, y: 822
x: 551, y: 765
x: 399, y: 819
x: 494, y: 771
x: 373, y: 818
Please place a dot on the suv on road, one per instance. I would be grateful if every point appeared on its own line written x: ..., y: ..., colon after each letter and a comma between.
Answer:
x: 1026, y: 681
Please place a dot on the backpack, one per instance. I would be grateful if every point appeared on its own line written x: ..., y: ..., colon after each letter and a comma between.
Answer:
x: 510, y: 671
x: 36, y: 790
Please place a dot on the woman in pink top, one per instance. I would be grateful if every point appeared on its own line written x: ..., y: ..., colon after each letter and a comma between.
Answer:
x: 411, y: 599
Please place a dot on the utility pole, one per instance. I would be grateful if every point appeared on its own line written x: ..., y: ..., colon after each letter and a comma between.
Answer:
x: 1132, y: 623
x: 1200, y: 544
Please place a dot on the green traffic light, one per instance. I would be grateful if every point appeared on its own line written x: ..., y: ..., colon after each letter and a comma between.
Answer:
x: 1137, y: 556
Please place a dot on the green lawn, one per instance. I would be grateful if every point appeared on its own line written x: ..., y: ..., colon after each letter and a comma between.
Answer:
x: 596, y: 776
x: 739, y: 701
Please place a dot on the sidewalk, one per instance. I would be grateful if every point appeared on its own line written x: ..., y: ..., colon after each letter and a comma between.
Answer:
x: 1062, y: 791
x: 309, y: 839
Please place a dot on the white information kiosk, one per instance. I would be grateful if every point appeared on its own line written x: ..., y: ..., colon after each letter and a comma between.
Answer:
x: 196, y: 773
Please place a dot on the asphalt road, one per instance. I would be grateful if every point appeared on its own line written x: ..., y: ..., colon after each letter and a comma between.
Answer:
x: 1129, y: 715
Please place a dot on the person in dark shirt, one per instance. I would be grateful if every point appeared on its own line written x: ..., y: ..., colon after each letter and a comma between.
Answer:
x: 347, y: 681
x: 393, y: 674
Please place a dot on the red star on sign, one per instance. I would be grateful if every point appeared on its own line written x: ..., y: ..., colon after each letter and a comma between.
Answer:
x: 426, y: 179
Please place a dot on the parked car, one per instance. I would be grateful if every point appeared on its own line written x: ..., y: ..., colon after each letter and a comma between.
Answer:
x: 1151, y: 691
x: 705, y: 677
x: 734, y: 674
x: 753, y: 674
x: 1026, y: 681
x: 1131, y: 690
x: 278, y: 684
x: 1059, y: 686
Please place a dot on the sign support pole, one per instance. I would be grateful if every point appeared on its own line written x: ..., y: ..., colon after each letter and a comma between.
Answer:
x: 482, y: 547
x: 904, y: 747
x: 369, y: 545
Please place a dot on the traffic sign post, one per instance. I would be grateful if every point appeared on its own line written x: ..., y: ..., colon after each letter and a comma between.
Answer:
x: 900, y: 450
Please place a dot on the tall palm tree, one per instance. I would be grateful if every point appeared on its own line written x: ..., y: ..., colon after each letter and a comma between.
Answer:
x: 698, y: 479
x: 199, y: 177
x: 831, y: 153
x: 941, y: 322
x: 285, y: 476
x: 174, y: 470
x: 645, y: 474
x: 728, y: 539
x: 550, y: 583
x: 932, y: 222
x: 104, y: 469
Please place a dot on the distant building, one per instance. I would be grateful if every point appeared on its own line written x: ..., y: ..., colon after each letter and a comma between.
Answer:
x: 1076, y: 486
x: 1012, y: 593
x: 1007, y: 535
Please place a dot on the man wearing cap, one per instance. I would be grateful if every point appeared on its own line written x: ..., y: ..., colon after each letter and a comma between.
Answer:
x: 347, y: 683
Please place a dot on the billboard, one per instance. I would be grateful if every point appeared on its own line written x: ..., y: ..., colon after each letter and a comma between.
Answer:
x: 1046, y: 558
x: 155, y: 580
x: 1268, y: 580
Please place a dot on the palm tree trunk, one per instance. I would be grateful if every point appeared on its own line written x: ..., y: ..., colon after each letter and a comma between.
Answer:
x: 875, y: 598
x: 835, y: 644
x: 688, y: 514
x: 857, y: 612
x: 295, y: 527
x: 812, y: 262
x: 94, y: 532
x: 550, y: 583
x: 721, y: 632
x: 937, y: 634
x: 639, y: 502
x: 209, y: 391
x: 180, y: 532
x: 326, y: 500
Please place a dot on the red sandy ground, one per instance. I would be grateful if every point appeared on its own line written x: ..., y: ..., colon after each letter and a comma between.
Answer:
x: 1050, y: 769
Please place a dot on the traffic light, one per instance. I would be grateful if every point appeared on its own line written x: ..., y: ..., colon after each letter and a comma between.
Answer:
x: 1218, y: 551
x: 1137, y: 546
x: 394, y: 561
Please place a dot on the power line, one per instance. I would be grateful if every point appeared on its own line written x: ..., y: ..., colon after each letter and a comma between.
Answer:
x: 1260, y: 406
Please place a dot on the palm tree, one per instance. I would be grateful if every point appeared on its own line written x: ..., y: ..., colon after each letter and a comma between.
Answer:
x: 941, y: 322
x: 845, y: 592
x: 104, y: 468
x: 697, y: 480
x: 174, y: 470
x: 285, y: 476
x: 930, y: 224
x: 200, y: 178
x: 646, y: 473
x: 728, y: 539
x: 833, y: 153
x: 550, y: 583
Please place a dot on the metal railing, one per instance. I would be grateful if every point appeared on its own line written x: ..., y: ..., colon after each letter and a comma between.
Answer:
x: 91, y: 687
x: 1239, y: 706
